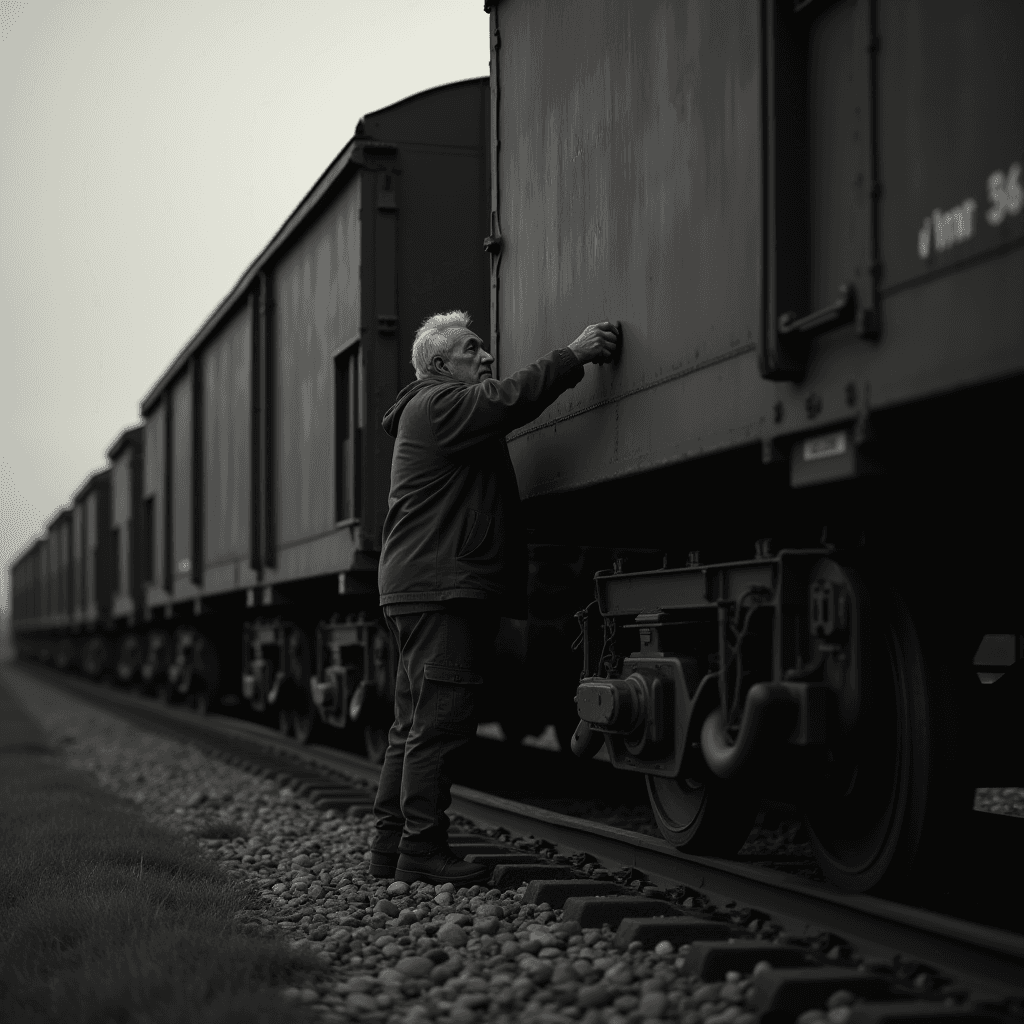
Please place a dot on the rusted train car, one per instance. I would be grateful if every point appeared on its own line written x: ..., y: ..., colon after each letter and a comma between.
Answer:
x: 808, y: 217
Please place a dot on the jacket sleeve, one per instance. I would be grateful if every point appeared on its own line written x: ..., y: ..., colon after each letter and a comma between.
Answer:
x: 465, y: 416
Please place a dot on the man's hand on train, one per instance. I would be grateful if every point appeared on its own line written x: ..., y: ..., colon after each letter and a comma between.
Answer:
x: 599, y: 343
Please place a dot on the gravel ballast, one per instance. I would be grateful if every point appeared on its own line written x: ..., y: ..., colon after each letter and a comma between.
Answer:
x: 389, y: 951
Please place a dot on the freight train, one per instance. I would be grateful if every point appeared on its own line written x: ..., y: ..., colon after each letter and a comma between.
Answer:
x: 775, y: 548
x: 228, y: 554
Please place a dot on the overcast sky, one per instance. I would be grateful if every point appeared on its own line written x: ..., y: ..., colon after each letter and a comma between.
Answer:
x: 149, y: 151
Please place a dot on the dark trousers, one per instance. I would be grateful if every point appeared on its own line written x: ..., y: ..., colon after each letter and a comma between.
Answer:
x: 443, y: 657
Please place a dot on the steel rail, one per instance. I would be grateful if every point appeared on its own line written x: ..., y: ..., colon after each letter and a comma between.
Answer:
x: 990, y: 958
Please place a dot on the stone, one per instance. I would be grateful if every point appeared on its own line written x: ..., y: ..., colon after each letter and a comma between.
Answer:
x: 415, y: 966
x: 443, y: 899
x: 385, y: 907
x: 652, y: 1004
x: 452, y: 934
x: 619, y: 974
x: 486, y: 926
x: 391, y: 976
x: 360, y: 1002
x: 594, y: 995
x: 398, y: 888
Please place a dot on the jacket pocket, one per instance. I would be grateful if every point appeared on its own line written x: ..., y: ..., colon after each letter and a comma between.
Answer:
x: 434, y: 673
x: 478, y: 533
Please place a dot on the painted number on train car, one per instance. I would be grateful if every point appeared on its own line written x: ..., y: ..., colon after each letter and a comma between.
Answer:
x: 943, y: 229
x: 1004, y: 193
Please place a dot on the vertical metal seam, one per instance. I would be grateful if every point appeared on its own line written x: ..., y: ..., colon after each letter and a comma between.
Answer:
x: 767, y: 186
x: 198, y: 504
x: 496, y: 245
x: 168, y: 482
x: 255, y: 405
x: 268, y: 481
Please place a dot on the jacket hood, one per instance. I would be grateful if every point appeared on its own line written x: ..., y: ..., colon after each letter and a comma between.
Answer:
x: 405, y: 396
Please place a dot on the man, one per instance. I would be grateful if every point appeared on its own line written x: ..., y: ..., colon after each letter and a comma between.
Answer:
x: 453, y: 561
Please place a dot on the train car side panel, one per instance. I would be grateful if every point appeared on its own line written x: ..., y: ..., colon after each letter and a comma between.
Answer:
x: 629, y: 188
x: 154, y: 504
x: 120, y: 534
x: 316, y: 346
x: 181, y: 527
x: 226, y: 454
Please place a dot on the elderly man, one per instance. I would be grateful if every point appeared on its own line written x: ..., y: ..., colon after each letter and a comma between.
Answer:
x: 453, y: 561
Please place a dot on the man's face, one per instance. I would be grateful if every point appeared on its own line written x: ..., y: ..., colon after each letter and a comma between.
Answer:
x: 468, y: 361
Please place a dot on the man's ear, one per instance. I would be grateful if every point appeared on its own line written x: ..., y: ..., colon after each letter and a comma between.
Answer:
x: 439, y: 365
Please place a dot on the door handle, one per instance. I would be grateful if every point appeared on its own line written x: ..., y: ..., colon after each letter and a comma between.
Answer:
x: 806, y: 327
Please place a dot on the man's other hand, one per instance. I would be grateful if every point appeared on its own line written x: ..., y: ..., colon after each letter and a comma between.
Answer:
x: 599, y: 343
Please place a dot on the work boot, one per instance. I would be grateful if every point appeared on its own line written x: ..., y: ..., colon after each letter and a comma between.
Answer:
x: 439, y: 867
x: 384, y: 854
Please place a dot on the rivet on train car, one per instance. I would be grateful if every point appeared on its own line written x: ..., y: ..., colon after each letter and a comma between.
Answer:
x: 779, y: 411
x: 851, y: 394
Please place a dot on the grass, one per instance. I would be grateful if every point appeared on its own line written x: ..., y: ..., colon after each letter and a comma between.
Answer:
x: 106, y: 918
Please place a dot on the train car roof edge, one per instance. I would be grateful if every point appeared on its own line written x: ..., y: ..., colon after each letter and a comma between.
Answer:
x: 295, y: 221
x: 91, y: 481
x: 123, y: 440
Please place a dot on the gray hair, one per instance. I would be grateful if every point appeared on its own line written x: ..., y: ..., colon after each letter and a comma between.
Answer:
x: 436, y: 337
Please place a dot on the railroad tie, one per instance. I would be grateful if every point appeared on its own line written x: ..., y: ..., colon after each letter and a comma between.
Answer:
x: 918, y: 1011
x: 782, y: 995
x: 679, y: 930
x: 555, y: 892
x: 711, y: 960
x: 511, y: 876
x: 594, y: 911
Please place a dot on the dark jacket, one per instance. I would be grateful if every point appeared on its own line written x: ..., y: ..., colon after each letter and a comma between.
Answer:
x: 454, y: 526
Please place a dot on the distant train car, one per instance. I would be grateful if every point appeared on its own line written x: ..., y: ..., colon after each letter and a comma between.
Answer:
x: 90, y: 624
x: 808, y: 217
x: 128, y: 554
x: 27, y: 602
x: 266, y: 473
x: 58, y: 560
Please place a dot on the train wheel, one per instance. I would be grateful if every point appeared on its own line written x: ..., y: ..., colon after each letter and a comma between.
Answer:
x: 702, y: 817
x: 890, y: 801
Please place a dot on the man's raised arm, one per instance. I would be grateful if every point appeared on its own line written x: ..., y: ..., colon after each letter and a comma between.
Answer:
x: 467, y: 415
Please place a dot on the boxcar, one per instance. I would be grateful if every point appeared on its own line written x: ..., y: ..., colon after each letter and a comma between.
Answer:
x: 265, y: 471
x: 58, y: 584
x: 808, y: 217
x: 127, y: 553
x: 27, y: 601
x: 91, y: 638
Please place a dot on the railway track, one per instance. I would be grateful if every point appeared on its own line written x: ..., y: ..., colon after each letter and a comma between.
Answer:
x: 927, y: 965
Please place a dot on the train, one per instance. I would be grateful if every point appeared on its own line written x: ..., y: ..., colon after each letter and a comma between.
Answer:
x: 774, y: 548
